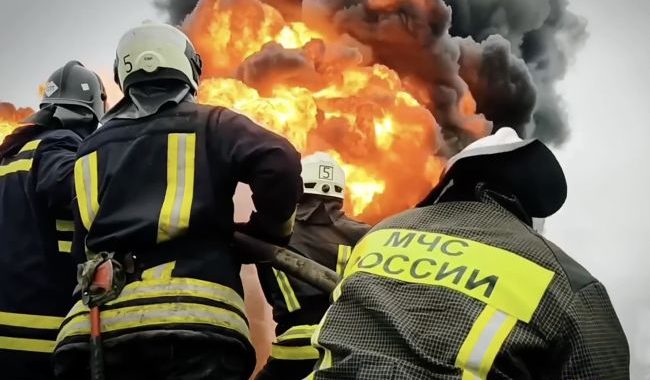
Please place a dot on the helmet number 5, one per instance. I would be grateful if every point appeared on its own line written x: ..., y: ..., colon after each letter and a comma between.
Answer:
x: 127, y: 63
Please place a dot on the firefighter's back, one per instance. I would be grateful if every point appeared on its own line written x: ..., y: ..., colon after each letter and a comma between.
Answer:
x: 36, y: 269
x: 465, y: 290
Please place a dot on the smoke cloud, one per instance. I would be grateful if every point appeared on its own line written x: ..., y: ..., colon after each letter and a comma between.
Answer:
x: 545, y: 34
x: 509, y: 53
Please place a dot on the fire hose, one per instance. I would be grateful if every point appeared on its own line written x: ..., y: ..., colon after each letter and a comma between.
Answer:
x: 288, y: 261
x: 102, y: 278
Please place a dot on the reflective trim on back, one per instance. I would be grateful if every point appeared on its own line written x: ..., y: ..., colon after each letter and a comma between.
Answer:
x: 175, y: 212
x: 172, y: 287
x: 86, y: 187
x: 289, y: 295
x: 146, y: 316
x: 502, y: 279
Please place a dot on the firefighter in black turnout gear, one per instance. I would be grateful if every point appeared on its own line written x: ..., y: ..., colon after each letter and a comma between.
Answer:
x: 36, y: 177
x: 324, y: 234
x: 464, y: 288
x: 154, y: 187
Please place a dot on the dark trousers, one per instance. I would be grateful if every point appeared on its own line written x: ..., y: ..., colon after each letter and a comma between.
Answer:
x: 276, y: 369
x: 161, y: 359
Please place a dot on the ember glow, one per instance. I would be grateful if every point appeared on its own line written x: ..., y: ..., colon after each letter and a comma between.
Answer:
x: 320, y: 91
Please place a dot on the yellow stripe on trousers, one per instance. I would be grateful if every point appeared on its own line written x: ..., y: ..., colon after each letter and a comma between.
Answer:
x: 483, y: 342
x: 177, y: 205
x: 289, y: 295
x: 86, y: 188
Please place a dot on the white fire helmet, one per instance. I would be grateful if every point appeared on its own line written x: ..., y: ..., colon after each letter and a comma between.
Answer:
x: 322, y: 175
x: 156, y: 51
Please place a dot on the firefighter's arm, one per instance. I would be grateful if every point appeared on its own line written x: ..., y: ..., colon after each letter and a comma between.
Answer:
x: 595, y: 345
x: 270, y: 165
x: 54, y: 166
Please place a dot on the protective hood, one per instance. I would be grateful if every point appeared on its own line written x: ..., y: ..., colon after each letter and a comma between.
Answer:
x: 526, y: 169
x: 79, y: 119
x: 315, y: 209
x: 148, y: 98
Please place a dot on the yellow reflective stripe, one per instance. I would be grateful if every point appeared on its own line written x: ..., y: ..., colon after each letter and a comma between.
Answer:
x: 297, y: 332
x: 64, y: 225
x: 326, y: 355
x: 16, y: 166
x: 177, y: 204
x: 159, y: 272
x: 24, y: 344
x: 32, y: 145
x: 30, y: 320
x: 65, y: 246
x: 342, y: 258
x: 174, y: 287
x: 294, y: 352
x: 86, y: 187
x: 156, y: 314
x: 483, y: 342
x: 502, y: 279
x: 290, y: 298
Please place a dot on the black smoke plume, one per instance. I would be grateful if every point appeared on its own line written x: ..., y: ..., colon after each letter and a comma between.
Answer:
x: 509, y: 53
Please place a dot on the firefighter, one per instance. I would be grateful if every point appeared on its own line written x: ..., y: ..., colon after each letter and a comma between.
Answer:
x: 324, y: 234
x: 463, y: 287
x: 36, y: 176
x: 154, y: 190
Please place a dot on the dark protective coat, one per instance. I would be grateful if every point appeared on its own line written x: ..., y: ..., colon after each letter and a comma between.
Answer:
x: 465, y: 290
x: 159, y: 190
x: 324, y: 234
x: 37, y: 272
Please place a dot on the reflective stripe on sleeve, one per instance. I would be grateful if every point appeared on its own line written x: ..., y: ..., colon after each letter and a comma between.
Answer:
x: 86, y: 187
x: 177, y: 205
x: 483, y: 342
x: 24, y: 344
x: 30, y: 321
x: 342, y: 258
x: 16, y: 166
x: 289, y: 295
x: 32, y: 145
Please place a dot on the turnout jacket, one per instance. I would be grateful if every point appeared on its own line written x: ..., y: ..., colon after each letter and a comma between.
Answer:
x: 326, y: 235
x: 465, y: 290
x: 158, y: 192
x: 37, y: 273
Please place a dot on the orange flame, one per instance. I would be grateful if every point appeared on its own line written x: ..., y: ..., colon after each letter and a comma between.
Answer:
x: 312, y: 88
x: 10, y: 118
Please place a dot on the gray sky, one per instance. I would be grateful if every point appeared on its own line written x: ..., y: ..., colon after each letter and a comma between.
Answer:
x: 604, y: 222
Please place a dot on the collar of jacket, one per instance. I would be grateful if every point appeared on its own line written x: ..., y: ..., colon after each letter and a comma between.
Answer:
x: 147, y: 99
x: 319, y: 210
